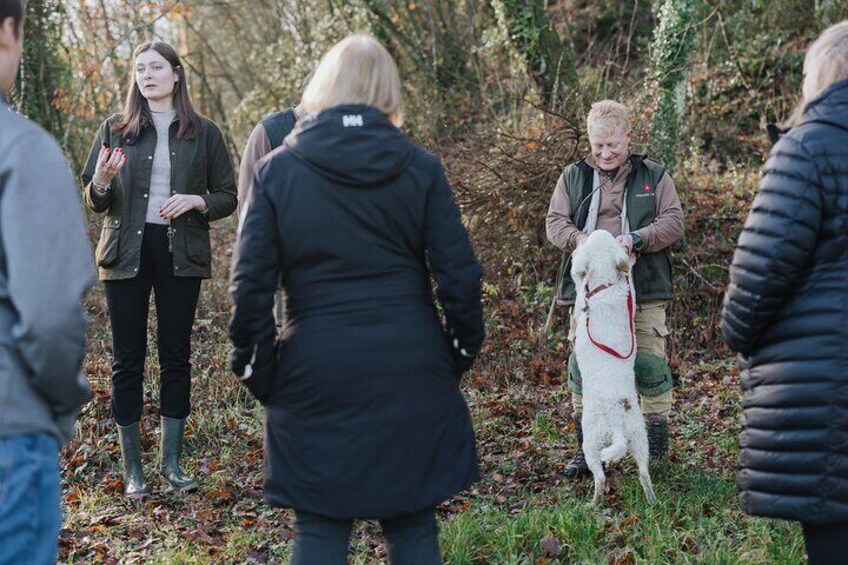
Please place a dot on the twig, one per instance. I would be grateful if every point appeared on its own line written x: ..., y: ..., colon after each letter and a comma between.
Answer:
x: 697, y: 274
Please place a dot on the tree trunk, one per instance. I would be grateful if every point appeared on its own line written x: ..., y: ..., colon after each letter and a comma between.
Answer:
x: 548, y: 59
x: 44, y: 74
x: 673, y: 41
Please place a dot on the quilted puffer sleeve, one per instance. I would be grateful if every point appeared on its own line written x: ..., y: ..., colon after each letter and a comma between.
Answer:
x: 775, y: 245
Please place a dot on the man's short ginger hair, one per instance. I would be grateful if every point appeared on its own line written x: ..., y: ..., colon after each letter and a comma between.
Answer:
x: 609, y: 116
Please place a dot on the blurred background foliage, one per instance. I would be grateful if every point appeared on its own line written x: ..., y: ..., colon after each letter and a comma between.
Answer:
x: 498, y: 89
x: 467, y: 64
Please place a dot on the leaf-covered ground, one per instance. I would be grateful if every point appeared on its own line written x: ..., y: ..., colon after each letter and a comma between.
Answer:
x: 521, y: 511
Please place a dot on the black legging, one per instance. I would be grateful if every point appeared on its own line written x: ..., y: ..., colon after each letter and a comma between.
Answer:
x: 411, y: 540
x: 826, y: 545
x: 129, y: 300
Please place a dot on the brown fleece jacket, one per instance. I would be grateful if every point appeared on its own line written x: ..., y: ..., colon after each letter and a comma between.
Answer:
x: 666, y: 229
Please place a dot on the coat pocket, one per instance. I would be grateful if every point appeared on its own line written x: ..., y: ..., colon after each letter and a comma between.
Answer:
x: 109, y: 244
x: 198, y: 247
x: 662, y: 331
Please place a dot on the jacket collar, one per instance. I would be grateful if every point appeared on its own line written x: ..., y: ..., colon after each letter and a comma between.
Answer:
x: 353, y: 144
x: 622, y: 172
x: 829, y: 106
x: 825, y: 94
x: 819, y: 109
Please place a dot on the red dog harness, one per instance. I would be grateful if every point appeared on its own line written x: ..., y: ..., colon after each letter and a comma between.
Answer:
x: 630, y: 311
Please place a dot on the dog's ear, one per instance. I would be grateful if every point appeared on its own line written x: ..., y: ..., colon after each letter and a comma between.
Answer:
x: 623, y: 266
x: 579, y: 265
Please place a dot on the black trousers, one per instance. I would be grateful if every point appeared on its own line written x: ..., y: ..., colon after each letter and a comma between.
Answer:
x: 411, y: 540
x: 826, y: 545
x: 128, y: 301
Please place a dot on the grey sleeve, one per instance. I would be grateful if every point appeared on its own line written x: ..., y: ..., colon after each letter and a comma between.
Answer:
x: 49, y: 269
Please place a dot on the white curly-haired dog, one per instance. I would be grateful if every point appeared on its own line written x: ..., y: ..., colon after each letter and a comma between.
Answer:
x: 605, y: 348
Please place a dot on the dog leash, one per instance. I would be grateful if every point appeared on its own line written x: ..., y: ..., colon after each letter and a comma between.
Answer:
x: 631, y: 314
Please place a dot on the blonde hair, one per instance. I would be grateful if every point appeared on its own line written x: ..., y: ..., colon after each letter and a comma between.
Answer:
x: 356, y: 70
x: 610, y: 116
x: 826, y: 62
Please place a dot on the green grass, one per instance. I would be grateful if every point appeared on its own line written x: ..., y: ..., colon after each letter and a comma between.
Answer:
x: 520, y: 502
x: 696, y: 520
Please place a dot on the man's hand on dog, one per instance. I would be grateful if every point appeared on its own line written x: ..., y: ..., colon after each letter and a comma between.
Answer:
x: 626, y: 242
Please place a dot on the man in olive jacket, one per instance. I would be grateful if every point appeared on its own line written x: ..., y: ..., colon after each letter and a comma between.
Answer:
x: 635, y: 200
x: 45, y: 269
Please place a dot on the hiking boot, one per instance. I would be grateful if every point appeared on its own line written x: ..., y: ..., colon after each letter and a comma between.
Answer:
x: 170, y: 451
x: 657, y: 427
x: 130, y: 439
x: 577, y: 467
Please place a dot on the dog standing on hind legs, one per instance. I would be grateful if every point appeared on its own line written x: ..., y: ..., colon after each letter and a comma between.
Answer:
x: 605, y: 348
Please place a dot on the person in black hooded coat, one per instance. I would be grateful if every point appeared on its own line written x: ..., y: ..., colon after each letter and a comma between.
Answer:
x: 786, y: 313
x: 364, y: 413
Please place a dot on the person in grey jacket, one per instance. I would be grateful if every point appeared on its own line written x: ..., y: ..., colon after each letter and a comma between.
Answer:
x: 45, y: 270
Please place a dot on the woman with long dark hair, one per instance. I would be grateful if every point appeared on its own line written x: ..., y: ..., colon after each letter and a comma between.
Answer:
x: 365, y: 417
x: 160, y: 172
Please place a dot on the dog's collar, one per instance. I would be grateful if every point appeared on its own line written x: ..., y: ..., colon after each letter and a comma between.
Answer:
x: 596, y: 290
x: 600, y: 288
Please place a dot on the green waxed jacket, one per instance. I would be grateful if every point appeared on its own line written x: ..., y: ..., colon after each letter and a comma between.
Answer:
x: 200, y: 165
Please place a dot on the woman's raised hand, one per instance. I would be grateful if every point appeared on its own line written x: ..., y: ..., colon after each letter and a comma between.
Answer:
x: 109, y: 163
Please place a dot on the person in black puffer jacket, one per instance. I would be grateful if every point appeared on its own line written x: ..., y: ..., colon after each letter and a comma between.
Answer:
x: 786, y: 313
x: 364, y: 414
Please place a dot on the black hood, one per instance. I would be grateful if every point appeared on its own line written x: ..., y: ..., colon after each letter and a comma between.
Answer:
x: 351, y: 144
x: 831, y: 106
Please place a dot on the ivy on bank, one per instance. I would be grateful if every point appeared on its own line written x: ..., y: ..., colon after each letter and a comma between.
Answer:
x: 672, y: 44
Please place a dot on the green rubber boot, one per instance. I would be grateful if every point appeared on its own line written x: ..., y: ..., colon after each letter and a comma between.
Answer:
x: 171, y: 450
x: 130, y: 440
